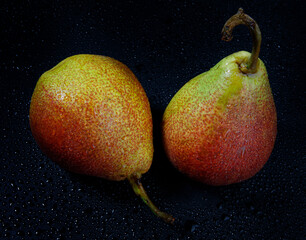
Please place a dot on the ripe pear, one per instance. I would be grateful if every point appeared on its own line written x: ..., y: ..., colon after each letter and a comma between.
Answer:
x: 220, y: 127
x: 90, y: 115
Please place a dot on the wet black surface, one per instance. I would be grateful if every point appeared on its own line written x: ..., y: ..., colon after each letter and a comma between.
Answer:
x: 165, y: 43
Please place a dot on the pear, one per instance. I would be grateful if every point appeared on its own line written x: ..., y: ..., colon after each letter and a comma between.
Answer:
x: 90, y: 115
x: 220, y: 127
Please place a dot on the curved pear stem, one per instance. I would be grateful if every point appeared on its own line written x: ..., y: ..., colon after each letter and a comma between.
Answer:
x: 134, y: 180
x: 241, y: 18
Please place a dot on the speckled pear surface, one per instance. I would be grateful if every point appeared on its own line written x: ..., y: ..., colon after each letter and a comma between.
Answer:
x: 91, y: 115
x: 220, y: 127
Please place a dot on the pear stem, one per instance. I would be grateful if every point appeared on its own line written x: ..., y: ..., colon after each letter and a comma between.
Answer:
x: 134, y: 180
x: 241, y: 18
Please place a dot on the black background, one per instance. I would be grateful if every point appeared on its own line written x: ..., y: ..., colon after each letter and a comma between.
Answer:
x: 165, y: 43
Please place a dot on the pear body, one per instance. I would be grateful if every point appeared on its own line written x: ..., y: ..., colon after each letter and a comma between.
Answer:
x: 91, y: 115
x: 221, y: 126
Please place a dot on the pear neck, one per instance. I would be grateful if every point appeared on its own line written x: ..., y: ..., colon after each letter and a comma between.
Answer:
x: 239, y: 18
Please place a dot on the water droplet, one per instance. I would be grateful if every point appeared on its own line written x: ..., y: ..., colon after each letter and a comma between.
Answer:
x: 190, y: 225
x: 225, y: 217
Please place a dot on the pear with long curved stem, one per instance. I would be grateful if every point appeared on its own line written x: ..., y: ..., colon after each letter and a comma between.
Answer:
x: 91, y: 115
x: 220, y: 127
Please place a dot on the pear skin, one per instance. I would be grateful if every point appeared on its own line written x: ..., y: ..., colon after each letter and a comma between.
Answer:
x: 220, y: 127
x: 90, y: 115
